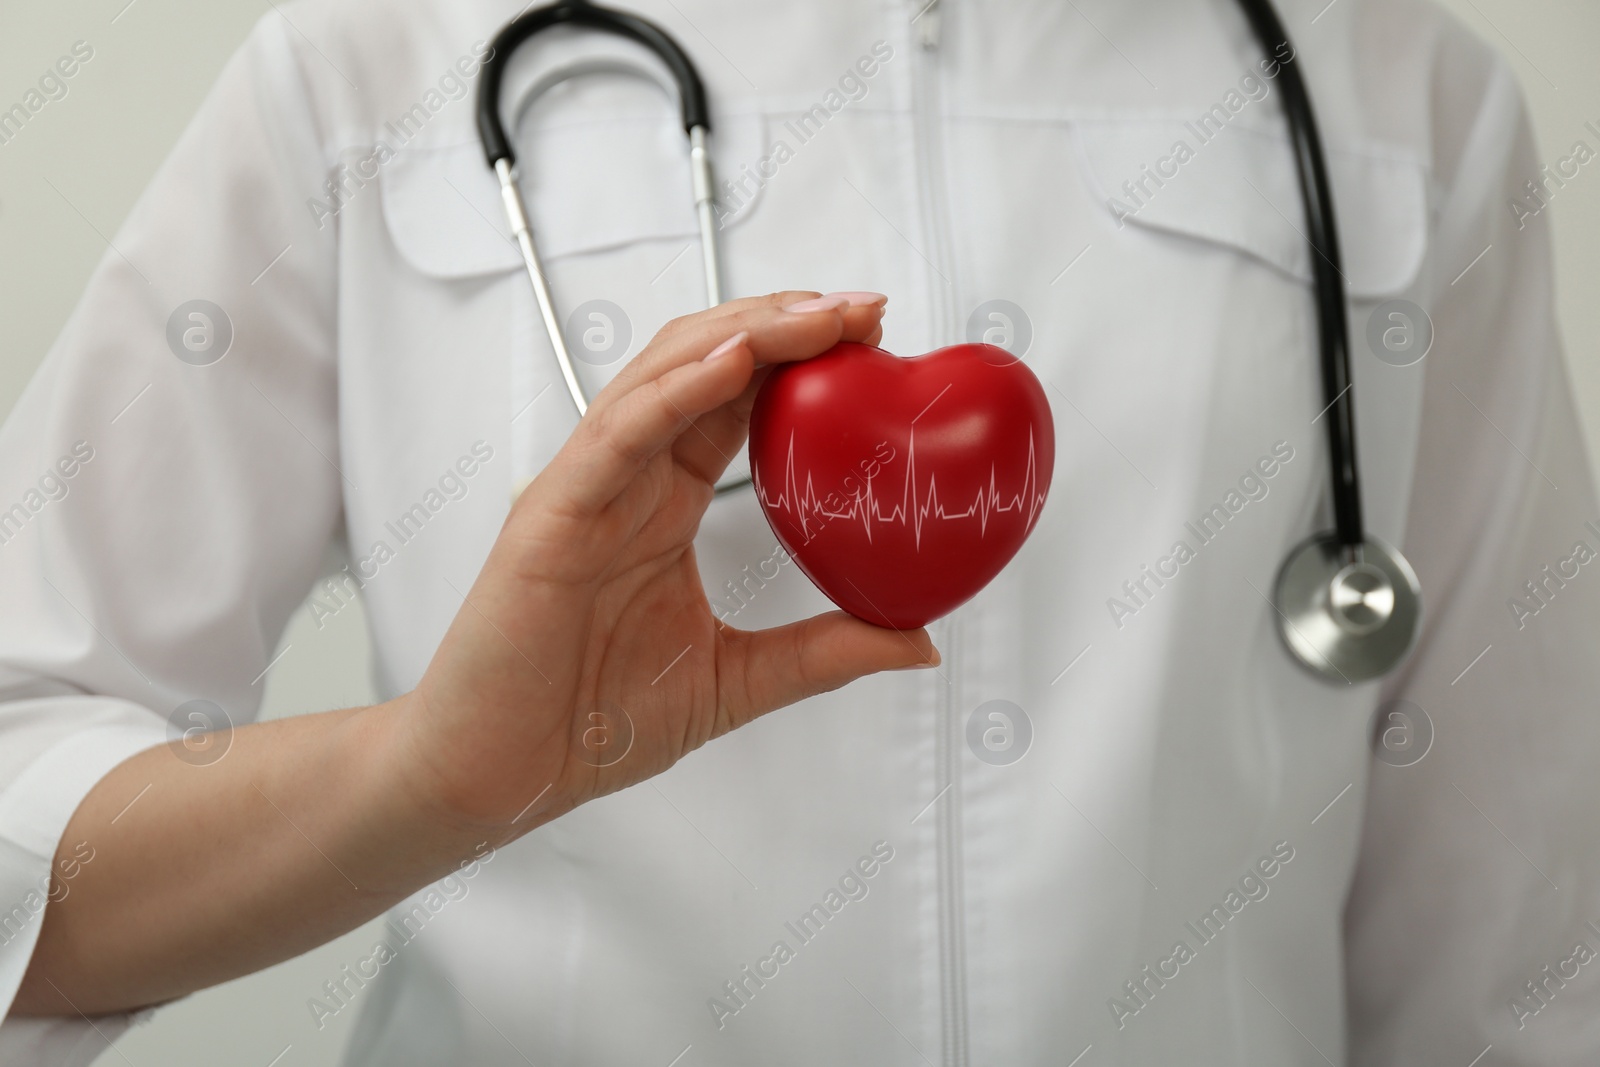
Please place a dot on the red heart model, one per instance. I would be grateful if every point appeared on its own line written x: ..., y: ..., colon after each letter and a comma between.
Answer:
x: 901, y: 487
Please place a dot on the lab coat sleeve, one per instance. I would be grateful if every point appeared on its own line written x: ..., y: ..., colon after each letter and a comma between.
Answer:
x: 1480, y: 865
x: 161, y: 518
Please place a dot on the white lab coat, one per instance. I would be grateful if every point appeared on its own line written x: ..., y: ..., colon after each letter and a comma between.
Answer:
x: 1177, y: 754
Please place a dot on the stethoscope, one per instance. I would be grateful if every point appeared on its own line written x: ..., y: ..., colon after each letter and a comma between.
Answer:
x: 1348, y: 604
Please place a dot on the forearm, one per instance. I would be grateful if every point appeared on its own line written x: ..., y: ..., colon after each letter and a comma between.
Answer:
x: 306, y: 828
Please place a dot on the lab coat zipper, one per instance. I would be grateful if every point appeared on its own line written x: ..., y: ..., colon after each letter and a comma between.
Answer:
x: 927, y: 134
x: 927, y: 20
x: 952, y: 905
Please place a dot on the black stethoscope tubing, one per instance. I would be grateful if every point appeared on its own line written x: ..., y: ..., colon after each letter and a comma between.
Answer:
x: 581, y: 13
x: 1348, y: 605
x: 1333, y: 331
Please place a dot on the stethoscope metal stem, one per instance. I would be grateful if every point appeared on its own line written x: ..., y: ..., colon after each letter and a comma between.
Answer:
x: 517, y: 216
x: 705, y: 210
x: 705, y: 205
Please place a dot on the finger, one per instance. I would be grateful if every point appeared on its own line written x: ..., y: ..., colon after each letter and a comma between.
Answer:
x: 859, y: 315
x: 610, y: 446
x: 717, y: 436
x: 780, y: 329
x: 769, y: 669
x: 666, y: 349
x: 744, y: 303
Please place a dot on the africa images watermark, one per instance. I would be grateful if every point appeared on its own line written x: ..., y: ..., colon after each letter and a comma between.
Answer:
x: 1540, y: 990
x: 339, y: 591
x: 1552, y: 578
x: 851, y: 88
x: 742, y: 592
x: 401, y: 926
x: 1252, y: 887
x: 53, y: 888
x: 1551, y: 180
x: 52, y: 86
x: 1253, y: 487
x: 53, y: 485
x: 347, y: 180
x: 1206, y: 128
x: 999, y: 732
x: 852, y: 885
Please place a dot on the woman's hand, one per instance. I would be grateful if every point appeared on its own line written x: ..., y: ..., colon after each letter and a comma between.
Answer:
x: 589, y: 605
x: 586, y: 657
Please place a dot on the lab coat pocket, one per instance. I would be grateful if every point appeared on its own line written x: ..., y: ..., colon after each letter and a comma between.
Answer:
x: 1238, y: 187
x: 610, y: 205
x: 595, y: 185
x: 1237, y: 190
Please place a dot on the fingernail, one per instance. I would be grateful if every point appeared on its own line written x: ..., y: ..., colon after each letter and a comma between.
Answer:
x: 728, y: 346
x: 821, y: 303
x: 857, y: 298
x: 934, y: 662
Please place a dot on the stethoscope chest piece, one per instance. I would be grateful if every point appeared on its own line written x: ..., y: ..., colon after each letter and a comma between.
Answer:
x: 1347, y: 614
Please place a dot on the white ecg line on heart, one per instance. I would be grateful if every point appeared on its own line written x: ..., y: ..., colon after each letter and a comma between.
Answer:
x: 867, y: 506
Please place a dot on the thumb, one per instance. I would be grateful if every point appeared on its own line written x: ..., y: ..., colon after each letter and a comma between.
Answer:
x: 770, y: 669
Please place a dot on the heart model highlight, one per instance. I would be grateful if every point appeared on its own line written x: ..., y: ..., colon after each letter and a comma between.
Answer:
x: 901, y: 487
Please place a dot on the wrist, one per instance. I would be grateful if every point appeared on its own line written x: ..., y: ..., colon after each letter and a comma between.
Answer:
x: 414, y: 775
x: 415, y: 835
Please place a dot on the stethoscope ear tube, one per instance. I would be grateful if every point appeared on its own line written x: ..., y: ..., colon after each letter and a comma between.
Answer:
x: 502, y: 159
x: 582, y: 13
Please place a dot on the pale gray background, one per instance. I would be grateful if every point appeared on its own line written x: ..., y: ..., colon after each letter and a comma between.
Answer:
x: 154, y: 61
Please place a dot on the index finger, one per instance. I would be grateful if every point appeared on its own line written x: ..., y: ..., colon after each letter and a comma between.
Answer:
x: 614, y: 440
x: 783, y: 327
